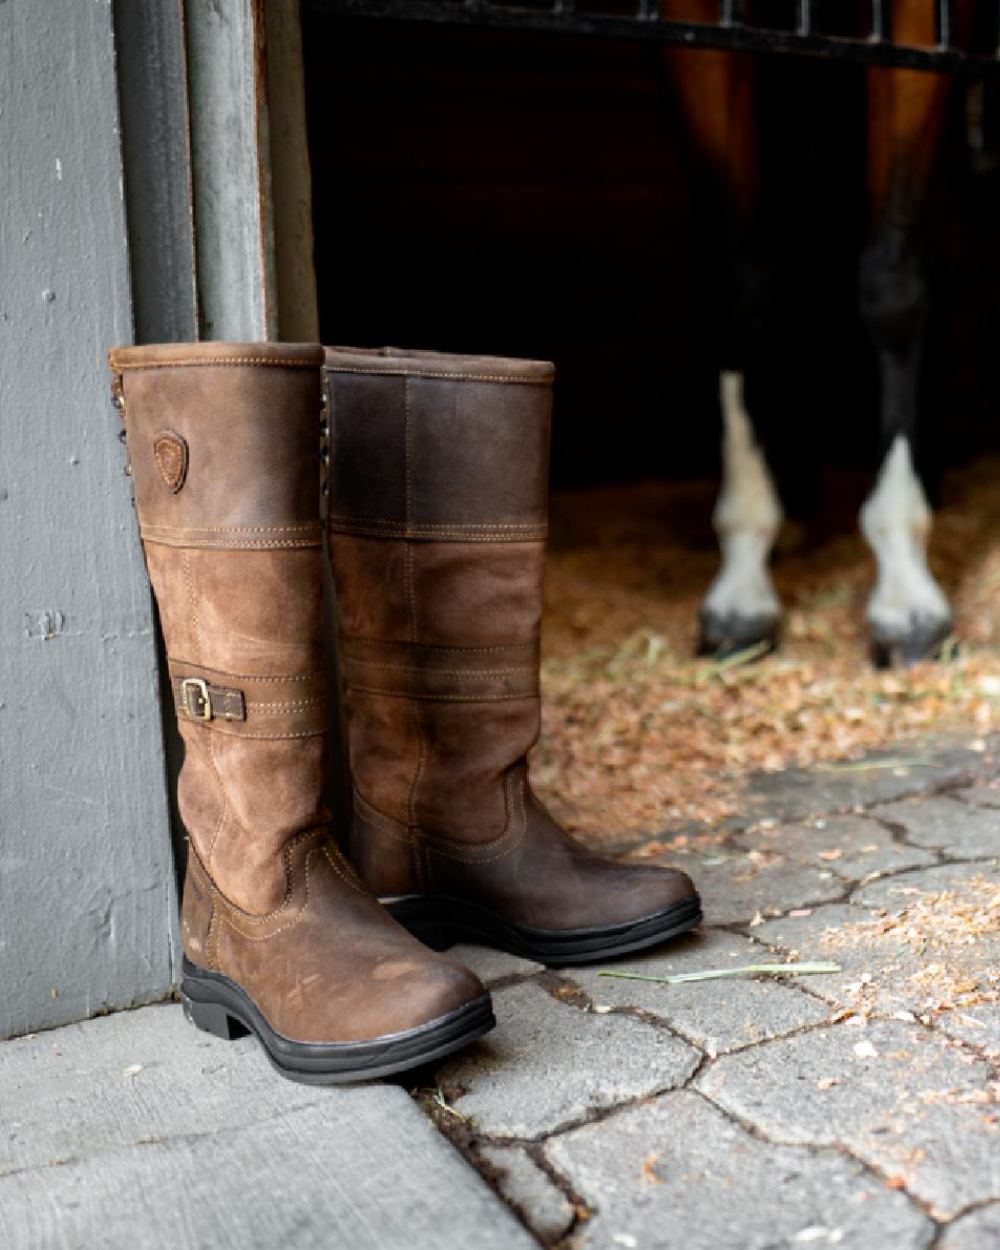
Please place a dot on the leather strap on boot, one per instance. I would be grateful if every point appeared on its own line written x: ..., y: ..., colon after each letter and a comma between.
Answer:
x: 250, y: 706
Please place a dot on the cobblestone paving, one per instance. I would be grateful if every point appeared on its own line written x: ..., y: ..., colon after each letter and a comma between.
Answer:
x: 857, y: 1109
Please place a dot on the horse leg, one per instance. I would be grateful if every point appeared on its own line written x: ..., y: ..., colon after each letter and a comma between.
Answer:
x: 715, y: 94
x: 908, y: 615
x: 742, y: 608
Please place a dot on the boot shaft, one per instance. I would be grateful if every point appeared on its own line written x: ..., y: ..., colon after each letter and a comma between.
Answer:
x: 438, y: 511
x: 223, y: 444
x: 437, y: 516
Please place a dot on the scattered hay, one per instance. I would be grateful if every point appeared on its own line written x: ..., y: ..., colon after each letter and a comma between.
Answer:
x: 639, y: 735
x: 946, y: 930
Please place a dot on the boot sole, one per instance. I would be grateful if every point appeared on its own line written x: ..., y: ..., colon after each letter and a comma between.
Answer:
x: 439, y: 922
x: 217, y: 1005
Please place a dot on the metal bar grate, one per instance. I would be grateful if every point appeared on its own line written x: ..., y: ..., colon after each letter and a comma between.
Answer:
x: 642, y: 19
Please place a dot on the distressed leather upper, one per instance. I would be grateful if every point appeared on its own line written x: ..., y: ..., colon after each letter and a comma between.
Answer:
x: 223, y: 443
x: 438, y: 511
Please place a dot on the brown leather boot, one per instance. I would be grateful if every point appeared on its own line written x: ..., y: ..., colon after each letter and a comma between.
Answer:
x: 438, y: 492
x: 279, y: 935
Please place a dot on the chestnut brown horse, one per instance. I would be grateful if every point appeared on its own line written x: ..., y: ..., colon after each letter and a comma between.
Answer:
x: 908, y: 615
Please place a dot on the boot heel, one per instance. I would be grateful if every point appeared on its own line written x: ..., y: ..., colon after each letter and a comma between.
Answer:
x: 213, y: 1018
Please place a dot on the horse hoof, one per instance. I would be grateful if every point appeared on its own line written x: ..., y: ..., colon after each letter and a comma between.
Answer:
x: 923, y: 641
x: 724, y: 636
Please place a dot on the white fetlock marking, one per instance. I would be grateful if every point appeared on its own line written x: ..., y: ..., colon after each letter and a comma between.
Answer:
x: 896, y: 522
x: 747, y: 516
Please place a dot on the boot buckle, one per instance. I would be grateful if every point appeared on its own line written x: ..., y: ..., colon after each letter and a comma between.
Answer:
x: 199, y: 704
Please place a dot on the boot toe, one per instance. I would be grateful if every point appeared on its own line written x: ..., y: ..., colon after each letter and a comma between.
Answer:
x: 421, y: 995
x: 450, y: 988
x: 653, y: 889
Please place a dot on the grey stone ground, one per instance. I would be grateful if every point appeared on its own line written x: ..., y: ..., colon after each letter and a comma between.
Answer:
x: 859, y: 1109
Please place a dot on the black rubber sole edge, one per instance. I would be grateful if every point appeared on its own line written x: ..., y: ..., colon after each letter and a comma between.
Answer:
x: 439, y: 922
x: 217, y: 1005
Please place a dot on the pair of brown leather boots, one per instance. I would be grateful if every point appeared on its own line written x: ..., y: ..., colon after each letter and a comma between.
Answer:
x: 435, y: 470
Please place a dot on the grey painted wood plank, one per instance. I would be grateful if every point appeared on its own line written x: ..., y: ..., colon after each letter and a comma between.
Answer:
x: 233, y: 230
x: 87, y: 895
x: 291, y: 178
x: 135, y: 1131
x: 152, y: 85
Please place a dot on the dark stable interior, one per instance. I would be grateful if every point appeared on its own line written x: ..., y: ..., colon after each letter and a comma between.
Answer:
x: 528, y: 195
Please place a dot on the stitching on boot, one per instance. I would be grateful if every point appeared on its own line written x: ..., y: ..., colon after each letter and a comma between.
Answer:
x: 197, y: 869
x: 187, y: 931
x: 193, y: 604
x: 229, y: 912
x: 511, y: 837
x: 287, y: 706
x: 445, y: 527
x: 223, y: 810
x: 292, y: 921
x: 290, y: 362
x: 212, y: 942
x: 438, y: 698
x: 433, y: 646
x: 457, y: 377
x: 407, y: 472
x: 221, y: 672
x: 463, y: 673
x: 217, y: 727
x: 185, y: 539
x: 311, y: 526
x: 339, y: 864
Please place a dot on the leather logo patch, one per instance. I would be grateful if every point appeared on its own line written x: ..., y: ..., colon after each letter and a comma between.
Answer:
x: 171, y: 454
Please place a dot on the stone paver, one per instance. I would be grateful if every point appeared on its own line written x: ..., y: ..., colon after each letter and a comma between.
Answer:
x: 980, y: 1230
x: 984, y: 794
x: 490, y: 965
x: 136, y: 1132
x: 903, y: 1100
x: 715, y: 1015
x: 894, y: 893
x: 853, y: 847
x: 978, y: 1025
x: 736, y: 885
x: 851, y: 1109
x: 530, y: 1191
x: 888, y: 967
x: 876, y: 968
x: 549, y: 1064
x: 960, y: 829
x: 676, y: 1173
x: 912, y: 768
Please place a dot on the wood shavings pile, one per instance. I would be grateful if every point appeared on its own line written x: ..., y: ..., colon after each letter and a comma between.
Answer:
x: 638, y: 735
